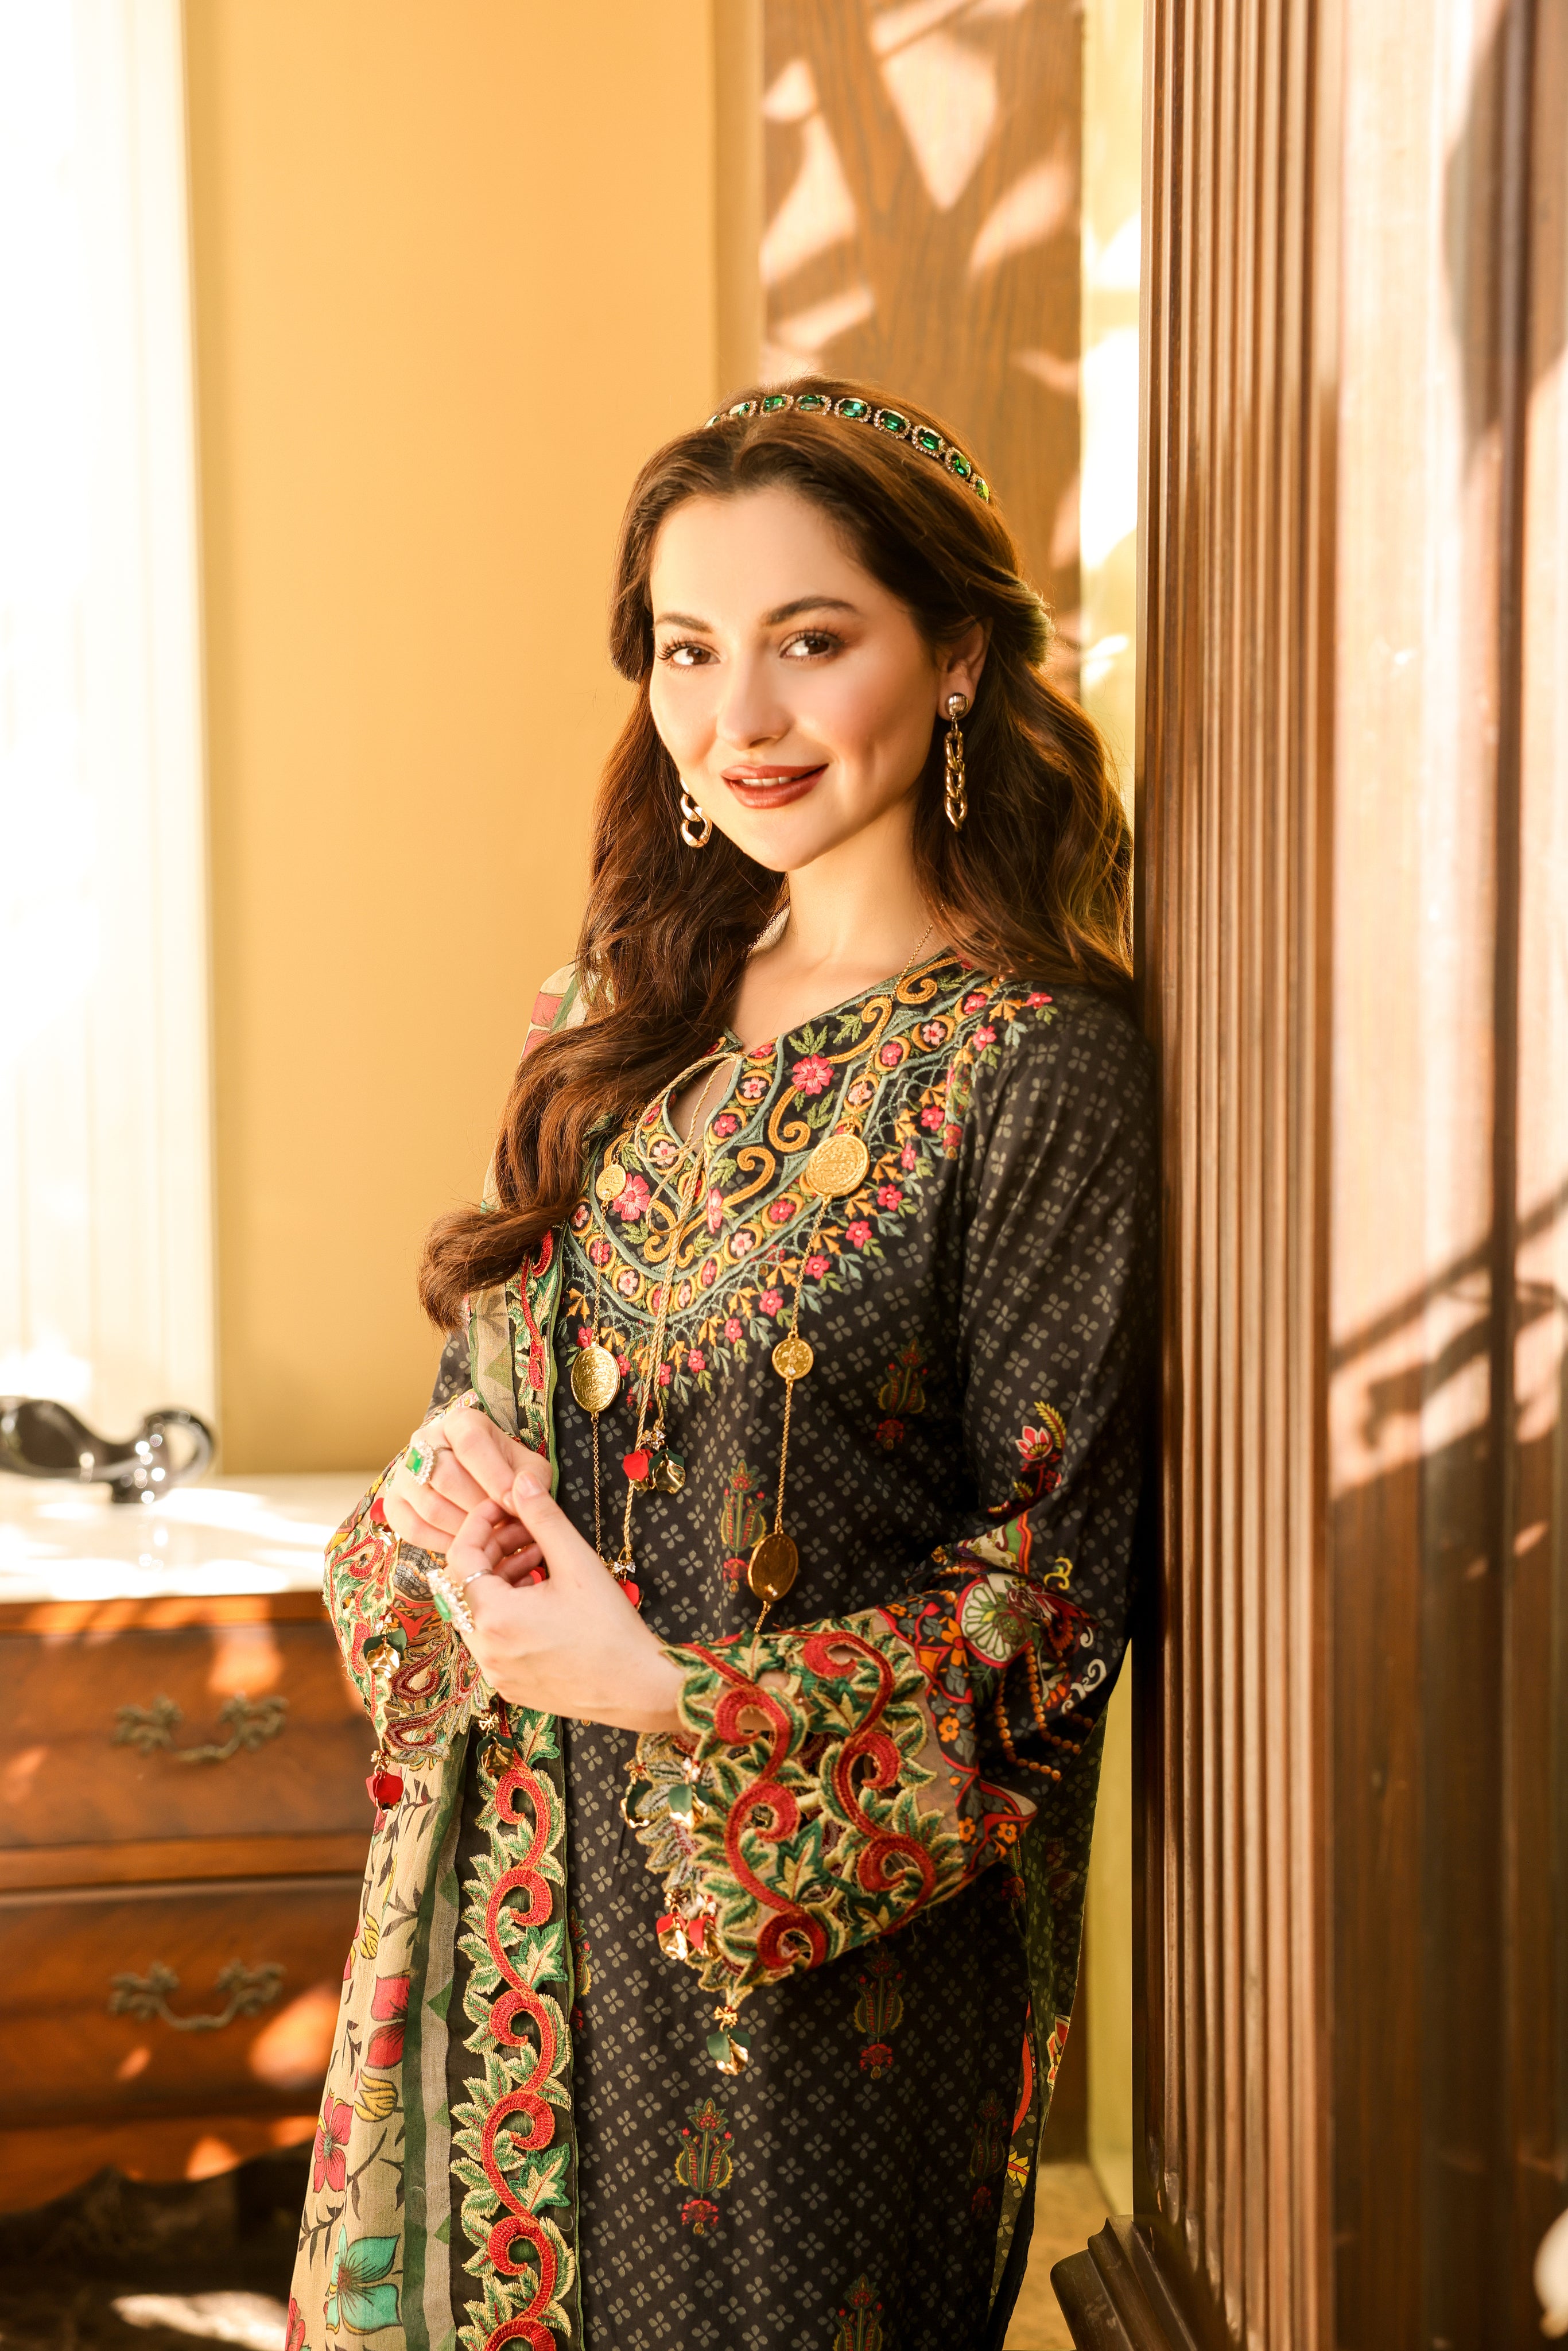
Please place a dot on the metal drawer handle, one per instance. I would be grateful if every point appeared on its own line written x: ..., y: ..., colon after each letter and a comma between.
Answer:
x: 247, y: 1991
x: 251, y: 1723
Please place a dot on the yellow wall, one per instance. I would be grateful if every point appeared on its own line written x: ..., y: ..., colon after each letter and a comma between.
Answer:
x: 454, y: 276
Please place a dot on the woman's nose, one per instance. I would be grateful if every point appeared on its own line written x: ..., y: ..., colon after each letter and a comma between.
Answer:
x: 751, y: 712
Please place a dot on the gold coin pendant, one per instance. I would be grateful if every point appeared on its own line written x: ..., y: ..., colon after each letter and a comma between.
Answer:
x: 792, y: 1358
x: 773, y: 1566
x: 838, y: 1167
x: 610, y: 1181
x: 595, y: 1382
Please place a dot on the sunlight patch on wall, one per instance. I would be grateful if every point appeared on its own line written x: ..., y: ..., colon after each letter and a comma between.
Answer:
x: 1108, y: 479
x: 105, y: 1280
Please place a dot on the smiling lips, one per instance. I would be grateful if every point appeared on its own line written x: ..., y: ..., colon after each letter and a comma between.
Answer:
x: 771, y: 788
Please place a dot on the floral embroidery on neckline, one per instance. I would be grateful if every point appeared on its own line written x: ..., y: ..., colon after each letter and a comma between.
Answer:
x: 739, y: 1251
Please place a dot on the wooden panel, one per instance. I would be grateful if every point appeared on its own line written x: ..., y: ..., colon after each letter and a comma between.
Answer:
x: 921, y: 182
x: 1436, y: 1213
x: 31, y: 1868
x: 1353, y: 855
x: 1536, y: 1659
x: 36, y: 2166
x: 66, y: 1780
x: 1232, y: 811
x: 64, y: 2057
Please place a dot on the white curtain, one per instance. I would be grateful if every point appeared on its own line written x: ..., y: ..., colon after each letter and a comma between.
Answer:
x: 105, y: 1287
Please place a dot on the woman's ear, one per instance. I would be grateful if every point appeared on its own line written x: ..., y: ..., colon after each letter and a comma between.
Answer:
x: 960, y: 664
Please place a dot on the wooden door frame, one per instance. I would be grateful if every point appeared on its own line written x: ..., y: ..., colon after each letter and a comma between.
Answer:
x: 1352, y: 764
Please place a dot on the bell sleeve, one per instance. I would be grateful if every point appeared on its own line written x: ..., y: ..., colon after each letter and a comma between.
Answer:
x: 378, y: 1597
x: 830, y: 1780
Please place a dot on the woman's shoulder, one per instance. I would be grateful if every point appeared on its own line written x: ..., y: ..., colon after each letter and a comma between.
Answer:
x: 560, y: 1004
x: 1076, y: 1031
x: 1060, y: 1058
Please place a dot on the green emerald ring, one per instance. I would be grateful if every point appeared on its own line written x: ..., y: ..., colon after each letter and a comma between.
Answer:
x: 421, y: 1458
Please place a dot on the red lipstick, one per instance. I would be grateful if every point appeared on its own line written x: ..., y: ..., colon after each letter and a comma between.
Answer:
x: 759, y: 787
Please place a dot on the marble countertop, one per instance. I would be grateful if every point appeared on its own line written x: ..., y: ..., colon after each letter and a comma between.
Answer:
x: 59, y: 1541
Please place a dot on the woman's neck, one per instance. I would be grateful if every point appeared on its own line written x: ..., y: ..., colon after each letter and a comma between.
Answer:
x: 856, y: 915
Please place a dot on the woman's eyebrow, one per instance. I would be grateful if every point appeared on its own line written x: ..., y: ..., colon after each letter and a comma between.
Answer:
x: 780, y: 613
x: 806, y: 604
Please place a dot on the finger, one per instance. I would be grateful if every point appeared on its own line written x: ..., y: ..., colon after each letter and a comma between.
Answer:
x: 454, y: 1483
x: 433, y: 1508
x: 490, y: 1457
x: 523, y: 1565
x: 409, y: 1527
x: 565, y: 1550
x: 497, y: 1607
x: 487, y: 1536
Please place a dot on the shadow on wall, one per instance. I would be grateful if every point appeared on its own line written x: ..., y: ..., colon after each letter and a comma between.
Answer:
x: 922, y: 194
x: 1451, y: 1804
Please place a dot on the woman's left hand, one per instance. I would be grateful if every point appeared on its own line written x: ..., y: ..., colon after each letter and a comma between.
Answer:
x: 570, y: 1642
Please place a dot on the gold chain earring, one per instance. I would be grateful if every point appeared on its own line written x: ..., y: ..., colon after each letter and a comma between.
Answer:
x: 696, y: 829
x: 956, y: 798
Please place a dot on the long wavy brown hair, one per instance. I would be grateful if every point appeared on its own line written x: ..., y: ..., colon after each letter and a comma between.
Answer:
x: 1035, y: 886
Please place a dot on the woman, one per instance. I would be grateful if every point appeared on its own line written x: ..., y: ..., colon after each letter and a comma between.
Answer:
x: 737, y: 1639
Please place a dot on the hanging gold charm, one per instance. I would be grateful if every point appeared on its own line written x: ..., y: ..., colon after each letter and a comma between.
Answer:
x: 773, y: 1567
x: 792, y: 1358
x: 730, y: 2056
x: 595, y: 1379
x: 838, y: 1167
x: 610, y: 1182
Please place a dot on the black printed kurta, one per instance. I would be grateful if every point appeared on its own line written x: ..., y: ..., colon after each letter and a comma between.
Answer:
x: 885, y: 1876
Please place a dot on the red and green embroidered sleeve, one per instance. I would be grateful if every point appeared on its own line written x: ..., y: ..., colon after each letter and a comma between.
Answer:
x: 832, y: 1781
x: 376, y: 1592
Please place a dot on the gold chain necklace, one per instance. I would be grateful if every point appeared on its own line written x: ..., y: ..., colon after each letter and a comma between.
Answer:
x: 596, y: 1375
x: 837, y: 1167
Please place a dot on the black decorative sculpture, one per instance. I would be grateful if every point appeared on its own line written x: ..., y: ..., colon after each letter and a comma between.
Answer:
x: 42, y: 1438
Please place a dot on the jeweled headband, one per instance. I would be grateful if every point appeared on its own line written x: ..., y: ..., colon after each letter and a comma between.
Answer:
x: 891, y: 421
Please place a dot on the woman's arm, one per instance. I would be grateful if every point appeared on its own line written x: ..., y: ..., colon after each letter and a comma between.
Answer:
x: 803, y: 1791
x: 376, y: 1590
x: 828, y: 1781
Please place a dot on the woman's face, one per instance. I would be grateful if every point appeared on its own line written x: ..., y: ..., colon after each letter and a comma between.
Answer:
x: 793, y: 692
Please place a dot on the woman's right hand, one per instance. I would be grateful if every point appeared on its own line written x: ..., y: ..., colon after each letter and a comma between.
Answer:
x: 430, y: 1514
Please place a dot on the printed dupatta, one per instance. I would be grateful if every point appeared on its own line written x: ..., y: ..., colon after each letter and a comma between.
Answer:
x: 390, y: 2154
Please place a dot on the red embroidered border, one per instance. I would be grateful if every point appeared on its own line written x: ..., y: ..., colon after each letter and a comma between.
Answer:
x: 515, y: 2220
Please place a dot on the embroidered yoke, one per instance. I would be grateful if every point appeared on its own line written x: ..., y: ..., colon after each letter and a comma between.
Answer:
x: 873, y: 1828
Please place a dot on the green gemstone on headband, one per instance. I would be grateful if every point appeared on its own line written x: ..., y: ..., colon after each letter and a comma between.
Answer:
x: 891, y: 421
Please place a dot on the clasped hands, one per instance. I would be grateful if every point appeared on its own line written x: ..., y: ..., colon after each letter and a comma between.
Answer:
x: 552, y: 1628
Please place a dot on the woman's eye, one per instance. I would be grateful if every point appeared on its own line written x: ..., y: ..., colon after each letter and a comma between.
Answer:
x: 684, y: 655
x: 810, y: 644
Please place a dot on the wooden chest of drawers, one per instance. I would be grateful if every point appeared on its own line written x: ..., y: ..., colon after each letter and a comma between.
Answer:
x: 183, y: 1825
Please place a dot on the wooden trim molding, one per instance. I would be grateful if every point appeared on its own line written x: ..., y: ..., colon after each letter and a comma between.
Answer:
x: 162, y: 1615
x: 1353, y: 941
x: 183, y: 1860
x: 1115, y: 2297
x: 1236, y: 554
